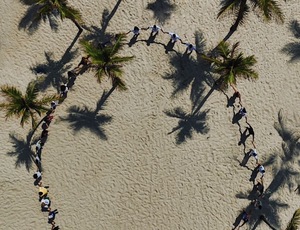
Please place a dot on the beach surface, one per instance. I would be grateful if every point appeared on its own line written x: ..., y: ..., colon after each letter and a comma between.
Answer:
x: 142, y: 159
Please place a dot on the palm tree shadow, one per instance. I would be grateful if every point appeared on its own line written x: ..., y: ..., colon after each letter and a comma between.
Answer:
x: 98, y: 34
x: 28, y: 21
x: 293, y: 48
x: 190, y: 71
x: 85, y: 118
x: 188, y: 123
x: 284, y: 170
x: 23, y: 151
x: 51, y: 73
x: 162, y: 9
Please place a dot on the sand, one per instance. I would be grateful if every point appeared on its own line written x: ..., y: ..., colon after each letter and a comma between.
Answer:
x: 122, y: 167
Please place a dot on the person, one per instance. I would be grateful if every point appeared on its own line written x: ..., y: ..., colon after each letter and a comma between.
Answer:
x: 260, y: 187
x: 135, y: 31
x: 254, y: 153
x: 39, y: 145
x: 243, y: 111
x: 72, y: 74
x: 46, y: 122
x: 37, y: 175
x: 84, y: 61
x: 257, y: 204
x: 53, y: 105
x: 43, y: 191
x: 154, y: 29
x: 44, y: 134
x: 45, y: 204
x: 250, y: 131
x: 63, y: 90
x: 245, y: 218
x: 51, y: 216
x: 237, y: 94
x: 38, y: 160
x: 189, y: 48
x: 174, y: 37
x: 261, y: 169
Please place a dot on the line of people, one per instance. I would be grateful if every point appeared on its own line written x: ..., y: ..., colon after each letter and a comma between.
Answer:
x: 43, y: 191
x: 155, y: 30
x: 258, y: 184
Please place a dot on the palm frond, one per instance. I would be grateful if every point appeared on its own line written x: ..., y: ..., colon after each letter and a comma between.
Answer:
x: 229, y: 6
x: 270, y: 10
x: 295, y: 221
x: 72, y: 13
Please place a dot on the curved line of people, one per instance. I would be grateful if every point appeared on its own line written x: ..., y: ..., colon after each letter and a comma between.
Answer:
x: 43, y: 191
x: 258, y: 186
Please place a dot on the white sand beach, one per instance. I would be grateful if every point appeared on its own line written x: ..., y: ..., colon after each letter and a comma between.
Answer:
x: 122, y: 167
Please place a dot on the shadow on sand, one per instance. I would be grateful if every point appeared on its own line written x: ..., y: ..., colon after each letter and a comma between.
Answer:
x: 194, y: 74
x: 98, y: 35
x: 285, y: 174
x: 162, y: 9
x: 188, y: 123
x: 85, y: 118
x: 293, y: 48
x: 52, y: 72
x: 22, y: 151
x: 30, y: 20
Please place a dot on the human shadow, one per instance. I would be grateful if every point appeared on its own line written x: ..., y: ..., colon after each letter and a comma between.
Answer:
x: 188, y: 123
x: 31, y: 22
x: 162, y: 9
x: 236, y: 118
x: 239, y: 218
x: 293, y: 48
x: 251, y: 194
x: 133, y: 40
x: 51, y: 73
x: 245, y: 160
x: 284, y: 171
x: 254, y: 174
x: 22, y: 151
x: 98, y: 35
x: 85, y: 118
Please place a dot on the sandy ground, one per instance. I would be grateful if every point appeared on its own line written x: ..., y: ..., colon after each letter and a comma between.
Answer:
x: 121, y: 167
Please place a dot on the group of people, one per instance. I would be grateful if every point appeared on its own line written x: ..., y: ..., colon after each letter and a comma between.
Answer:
x: 43, y: 191
x: 258, y: 185
x: 173, y: 36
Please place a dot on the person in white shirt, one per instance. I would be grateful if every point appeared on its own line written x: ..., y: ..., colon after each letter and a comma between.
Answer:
x: 154, y: 29
x: 136, y: 31
x: 261, y: 169
x: 189, y: 47
x: 254, y: 153
x: 174, y: 37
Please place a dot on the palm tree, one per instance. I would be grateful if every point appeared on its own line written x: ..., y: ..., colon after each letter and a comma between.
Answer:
x: 105, y: 61
x: 24, y: 106
x: 268, y: 9
x: 47, y: 8
x: 229, y: 65
x: 295, y: 221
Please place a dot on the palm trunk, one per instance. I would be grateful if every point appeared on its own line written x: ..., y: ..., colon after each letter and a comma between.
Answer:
x: 77, y: 24
x: 238, y: 20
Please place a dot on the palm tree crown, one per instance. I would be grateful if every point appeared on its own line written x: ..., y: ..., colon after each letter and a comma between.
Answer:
x: 268, y: 9
x: 105, y: 60
x: 58, y: 7
x: 295, y: 221
x: 229, y: 65
x: 24, y: 106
